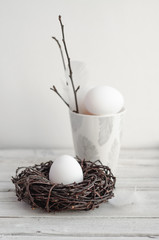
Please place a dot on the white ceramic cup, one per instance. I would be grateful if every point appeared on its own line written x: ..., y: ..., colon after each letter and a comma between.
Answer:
x: 97, y: 137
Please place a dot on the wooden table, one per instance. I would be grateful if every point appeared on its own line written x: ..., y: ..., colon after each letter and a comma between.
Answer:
x: 135, y: 217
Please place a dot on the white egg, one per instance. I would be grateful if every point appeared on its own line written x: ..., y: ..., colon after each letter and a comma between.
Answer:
x: 103, y: 100
x: 65, y: 169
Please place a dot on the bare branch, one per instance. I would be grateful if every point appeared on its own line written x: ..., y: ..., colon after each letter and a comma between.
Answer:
x: 56, y: 91
x: 77, y: 88
x: 69, y: 64
x: 63, y: 61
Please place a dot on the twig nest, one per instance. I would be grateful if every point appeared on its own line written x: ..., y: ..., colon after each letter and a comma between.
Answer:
x: 33, y: 186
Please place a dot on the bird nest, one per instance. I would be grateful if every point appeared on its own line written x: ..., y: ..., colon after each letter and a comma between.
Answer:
x: 33, y: 186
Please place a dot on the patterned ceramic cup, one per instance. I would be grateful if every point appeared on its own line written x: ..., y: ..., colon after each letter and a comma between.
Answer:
x: 97, y: 137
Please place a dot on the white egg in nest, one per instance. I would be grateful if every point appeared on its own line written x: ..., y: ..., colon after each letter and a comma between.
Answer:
x: 65, y: 170
x: 103, y: 100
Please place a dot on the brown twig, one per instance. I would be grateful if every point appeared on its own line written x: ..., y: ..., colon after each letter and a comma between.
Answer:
x: 33, y: 186
x: 63, y: 61
x: 56, y: 91
x: 77, y: 88
x: 69, y: 64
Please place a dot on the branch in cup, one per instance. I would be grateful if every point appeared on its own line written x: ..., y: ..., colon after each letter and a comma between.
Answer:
x: 77, y: 88
x: 63, y: 61
x: 56, y: 91
x: 69, y: 65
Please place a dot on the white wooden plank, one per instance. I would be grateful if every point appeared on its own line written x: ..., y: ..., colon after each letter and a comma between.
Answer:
x: 138, y: 183
x: 6, y: 186
x: 31, y: 237
x: 137, y: 168
x: 48, y: 153
x: 88, y: 227
x: 141, y: 153
x: 14, y: 154
x: 144, y: 204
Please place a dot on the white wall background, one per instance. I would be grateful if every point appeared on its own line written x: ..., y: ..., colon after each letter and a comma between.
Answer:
x: 119, y: 41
